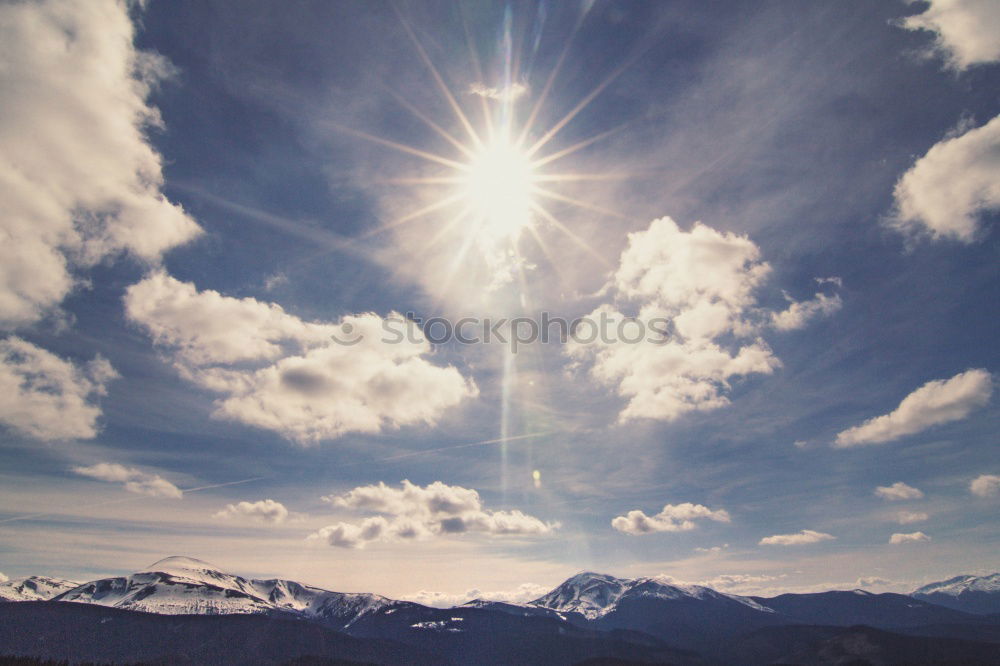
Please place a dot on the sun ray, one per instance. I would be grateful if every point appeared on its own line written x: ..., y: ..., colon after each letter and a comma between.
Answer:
x: 580, y: 106
x: 565, y: 152
x: 580, y: 177
x: 423, y: 180
x: 526, y: 129
x: 541, y: 210
x: 402, y: 147
x: 446, y: 228
x: 409, y: 217
x: 478, y: 68
x: 430, y: 123
x: 549, y: 194
x: 442, y: 86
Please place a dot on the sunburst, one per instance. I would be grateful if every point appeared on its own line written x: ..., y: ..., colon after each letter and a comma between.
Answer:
x: 499, y: 183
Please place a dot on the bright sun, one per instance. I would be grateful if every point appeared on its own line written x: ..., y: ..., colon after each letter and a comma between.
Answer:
x: 497, y: 188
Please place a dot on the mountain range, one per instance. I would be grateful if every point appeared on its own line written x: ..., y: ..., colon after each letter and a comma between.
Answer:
x: 589, y: 616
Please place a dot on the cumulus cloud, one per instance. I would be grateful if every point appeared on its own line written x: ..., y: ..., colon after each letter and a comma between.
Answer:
x: 872, y: 581
x: 673, y: 518
x: 523, y: 593
x: 800, y: 313
x: 134, y: 480
x: 704, y: 283
x: 910, y: 517
x: 797, y: 539
x: 263, y: 511
x: 912, y: 537
x: 79, y: 180
x: 967, y: 32
x: 711, y: 550
x: 945, y: 193
x: 898, y: 491
x: 934, y: 403
x: 47, y: 397
x: 985, y: 485
x: 421, y: 512
x: 275, y: 371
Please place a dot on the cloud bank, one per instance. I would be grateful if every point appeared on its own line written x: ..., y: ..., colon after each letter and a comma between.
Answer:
x: 278, y: 372
x: 414, y: 512
x: 88, y: 186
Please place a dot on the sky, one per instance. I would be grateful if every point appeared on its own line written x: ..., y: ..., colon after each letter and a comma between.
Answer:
x: 239, y: 238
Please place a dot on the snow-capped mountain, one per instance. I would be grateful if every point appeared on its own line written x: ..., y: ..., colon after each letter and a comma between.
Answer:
x: 186, y: 586
x: 34, y: 588
x: 972, y: 594
x: 595, y: 595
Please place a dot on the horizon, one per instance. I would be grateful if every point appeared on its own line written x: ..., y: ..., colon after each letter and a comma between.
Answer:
x: 420, y: 299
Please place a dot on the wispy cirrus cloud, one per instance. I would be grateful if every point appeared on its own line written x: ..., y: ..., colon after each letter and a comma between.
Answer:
x: 936, y: 402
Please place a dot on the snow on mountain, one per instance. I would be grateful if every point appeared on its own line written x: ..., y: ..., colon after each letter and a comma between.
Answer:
x: 34, y: 588
x: 186, y: 586
x: 972, y: 594
x: 595, y: 595
x: 959, y: 584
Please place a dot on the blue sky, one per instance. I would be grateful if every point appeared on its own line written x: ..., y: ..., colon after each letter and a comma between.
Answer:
x: 202, y: 193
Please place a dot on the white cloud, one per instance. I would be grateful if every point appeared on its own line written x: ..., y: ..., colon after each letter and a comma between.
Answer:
x: 78, y: 178
x: 507, y: 94
x: 912, y: 537
x: 711, y: 550
x: 278, y: 372
x: 703, y: 282
x: 421, y: 512
x: 797, y: 539
x: 967, y: 31
x: 985, y: 485
x: 945, y: 192
x: 800, y: 313
x: 47, y: 397
x: 934, y: 403
x: 264, y: 511
x: 134, y: 480
x: 523, y: 593
x: 910, y: 517
x: 898, y: 491
x: 673, y: 518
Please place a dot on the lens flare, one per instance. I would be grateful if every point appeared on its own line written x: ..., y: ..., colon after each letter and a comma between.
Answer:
x: 498, y: 188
